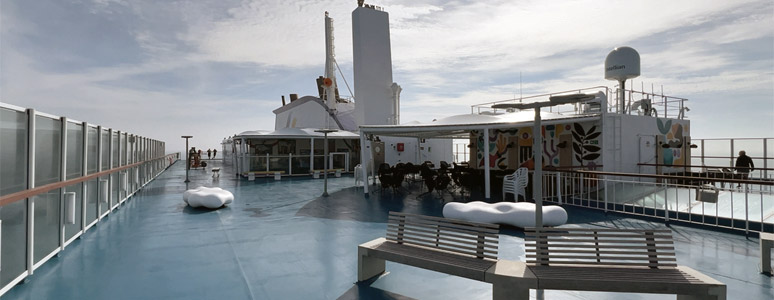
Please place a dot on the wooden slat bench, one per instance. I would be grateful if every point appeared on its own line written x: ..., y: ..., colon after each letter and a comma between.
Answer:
x: 455, y: 247
x: 614, y: 260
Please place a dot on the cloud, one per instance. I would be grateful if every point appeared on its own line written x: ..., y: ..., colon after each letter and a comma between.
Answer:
x: 217, y: 67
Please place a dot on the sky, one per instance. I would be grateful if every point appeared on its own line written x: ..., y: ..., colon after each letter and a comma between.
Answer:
x: 215, y: 68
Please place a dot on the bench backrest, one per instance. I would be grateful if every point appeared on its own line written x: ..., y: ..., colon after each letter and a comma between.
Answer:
x: 652, y: 248
x: 461, y: 237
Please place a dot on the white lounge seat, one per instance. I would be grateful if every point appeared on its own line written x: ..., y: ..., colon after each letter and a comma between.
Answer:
x: 521, y: 214
x: 207, y: 197
x: 516, y: 184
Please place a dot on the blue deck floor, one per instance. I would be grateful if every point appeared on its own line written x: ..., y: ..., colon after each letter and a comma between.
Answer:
x: 280, y: 240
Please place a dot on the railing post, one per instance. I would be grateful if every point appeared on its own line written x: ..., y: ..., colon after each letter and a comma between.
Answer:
x: 290, y: 164
x: 62, y: 177
x: 30, y: 184
x: 84, y: 170
x: 267, y: 163
x: 605, y: 183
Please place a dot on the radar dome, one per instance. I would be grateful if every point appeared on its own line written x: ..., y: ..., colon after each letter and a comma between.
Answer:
x: 622, y: 63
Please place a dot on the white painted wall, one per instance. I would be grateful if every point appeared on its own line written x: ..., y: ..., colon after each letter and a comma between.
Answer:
x: 307, y: 115
x: 434, y: 150
x: 374, y: 104
x: 638, y: 143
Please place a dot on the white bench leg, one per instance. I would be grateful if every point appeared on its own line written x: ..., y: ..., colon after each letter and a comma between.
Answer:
x: 368, y: 267
x: 765, y: 250
x: 509, y: 292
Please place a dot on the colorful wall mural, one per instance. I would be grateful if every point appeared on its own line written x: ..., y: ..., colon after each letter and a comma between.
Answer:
x: 585, y: 144
x: 503, y: 145
x: 672, y: 134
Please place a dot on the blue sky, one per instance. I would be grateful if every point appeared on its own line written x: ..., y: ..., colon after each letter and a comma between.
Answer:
x: 211, y: 69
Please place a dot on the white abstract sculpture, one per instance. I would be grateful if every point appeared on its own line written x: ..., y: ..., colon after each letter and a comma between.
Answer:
x: 521, y: 214
x: 208, y: 197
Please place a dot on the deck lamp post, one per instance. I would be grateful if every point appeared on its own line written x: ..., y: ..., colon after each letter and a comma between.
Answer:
x: 537, y: 149
x: 187, y: 166
x: 325, y: 158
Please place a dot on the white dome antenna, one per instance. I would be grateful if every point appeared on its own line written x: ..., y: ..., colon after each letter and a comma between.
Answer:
x: 621, y: 64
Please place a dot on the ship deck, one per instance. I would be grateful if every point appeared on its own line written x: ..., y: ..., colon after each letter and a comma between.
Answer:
x: 281, y: 240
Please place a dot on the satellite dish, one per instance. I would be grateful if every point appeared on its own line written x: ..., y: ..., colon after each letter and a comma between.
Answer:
x: 622, y: 63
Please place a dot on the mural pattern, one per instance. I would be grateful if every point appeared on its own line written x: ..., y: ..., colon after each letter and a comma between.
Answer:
x: 672, y: 135
x: 586, y: 149
x: 585, y: 144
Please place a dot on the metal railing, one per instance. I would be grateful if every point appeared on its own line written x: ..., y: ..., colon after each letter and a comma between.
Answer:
x: 728, y: 203
x: 722, y: 153
x: 660, y: 105
x: 59, y: 178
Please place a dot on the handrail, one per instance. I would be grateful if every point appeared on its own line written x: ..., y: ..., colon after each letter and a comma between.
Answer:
x: 702, y: 166
x: 740, y: 181
x: 28, y: 193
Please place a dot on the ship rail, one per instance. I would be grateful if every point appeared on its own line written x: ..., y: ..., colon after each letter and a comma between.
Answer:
x: 735, y: 204
x: 637, y: 103
x: 59, y: 178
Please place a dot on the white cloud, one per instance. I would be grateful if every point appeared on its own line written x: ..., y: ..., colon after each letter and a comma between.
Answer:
x: 446, y: 55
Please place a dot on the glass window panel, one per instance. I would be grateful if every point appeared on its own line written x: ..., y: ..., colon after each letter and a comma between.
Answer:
x: 92, y: 159
x: 74, y: 150
x: 13, y: 158
x: 14, y: 241
x: 72, y: 229
x: 46, y: 234
x: 47, y: 150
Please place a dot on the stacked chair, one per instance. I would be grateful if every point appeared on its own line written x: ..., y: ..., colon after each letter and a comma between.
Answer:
x: 516, y: 184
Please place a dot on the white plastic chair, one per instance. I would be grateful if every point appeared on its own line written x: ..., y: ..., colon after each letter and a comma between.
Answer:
x: 516, y: 184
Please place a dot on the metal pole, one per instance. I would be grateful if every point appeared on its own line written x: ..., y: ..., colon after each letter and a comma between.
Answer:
x: 187, y: 158
x: 487, y: 179
x: 537, y: 181
x: 537, y: 176
x: 325, y: 163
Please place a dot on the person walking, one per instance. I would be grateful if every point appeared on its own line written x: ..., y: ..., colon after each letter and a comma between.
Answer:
x: 209, y: 153
x: 744, y: 164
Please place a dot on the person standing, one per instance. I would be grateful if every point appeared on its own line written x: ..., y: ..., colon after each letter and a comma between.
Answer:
x: 209, y: 153
x: 744, y: 165
x: 214, y: 152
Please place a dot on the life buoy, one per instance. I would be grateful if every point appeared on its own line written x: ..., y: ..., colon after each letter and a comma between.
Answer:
x: 328, y: 82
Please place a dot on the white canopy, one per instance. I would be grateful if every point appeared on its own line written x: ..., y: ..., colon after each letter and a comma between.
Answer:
x: 459, y: 126
x: 296, y: 133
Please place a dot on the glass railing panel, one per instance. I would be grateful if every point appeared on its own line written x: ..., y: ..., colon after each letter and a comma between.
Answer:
x: 256, y: 163
x: 92, y: 163
x: 47, y: 150
x: 13, y: 157
x: 105, y: 163
x: 319, y: 162
x: 13, y: 254
x: 13, y: 178
x: 301, y: 165
x: 75, y: 217
x: 46, y: 219
x: 339, y: 161
x: 92, y: 197
x: 114, y: 196
x: 104, y: 194
x: 279, y: 164
x: 74, y: 152
x: 116, y: 154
